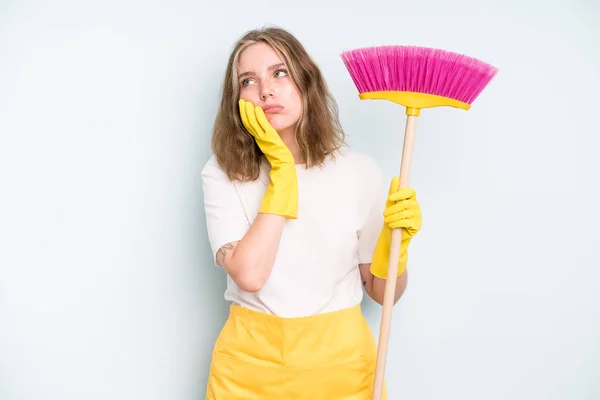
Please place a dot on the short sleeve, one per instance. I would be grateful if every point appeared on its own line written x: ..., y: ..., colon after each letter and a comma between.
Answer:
x: 373, y: 195
x: 226, y: 220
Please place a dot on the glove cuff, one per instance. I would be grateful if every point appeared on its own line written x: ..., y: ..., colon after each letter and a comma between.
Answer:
x: 381, y: 256
x: 281, y: 196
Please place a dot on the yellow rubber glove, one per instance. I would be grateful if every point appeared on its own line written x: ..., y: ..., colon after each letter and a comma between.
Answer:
x: 401, y: 211
x: 281, y: 196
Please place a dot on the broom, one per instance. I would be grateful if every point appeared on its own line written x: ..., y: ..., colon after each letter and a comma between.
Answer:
x: 416, y: 78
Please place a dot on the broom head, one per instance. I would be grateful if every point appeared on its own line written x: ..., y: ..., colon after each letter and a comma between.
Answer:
x: 417, y: 77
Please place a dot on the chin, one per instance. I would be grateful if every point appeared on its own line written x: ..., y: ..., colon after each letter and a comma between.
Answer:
x: 279, y: 122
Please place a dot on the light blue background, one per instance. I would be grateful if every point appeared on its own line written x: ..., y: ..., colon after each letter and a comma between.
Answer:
x: 107, y: 290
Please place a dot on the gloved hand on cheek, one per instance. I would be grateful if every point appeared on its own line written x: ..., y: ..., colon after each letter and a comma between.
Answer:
x: 281, y: 196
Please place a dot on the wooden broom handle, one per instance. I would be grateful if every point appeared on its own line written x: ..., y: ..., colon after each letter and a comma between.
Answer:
x: 390, y: 282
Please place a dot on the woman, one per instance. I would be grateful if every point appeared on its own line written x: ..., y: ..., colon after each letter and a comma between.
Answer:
x: 300, y: 223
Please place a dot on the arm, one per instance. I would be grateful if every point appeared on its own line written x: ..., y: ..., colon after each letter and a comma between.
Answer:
x: 401, y: 211
x: 250, y: 260
x: 375, y: 287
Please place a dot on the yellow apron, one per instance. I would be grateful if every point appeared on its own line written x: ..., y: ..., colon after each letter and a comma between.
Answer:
x: 330, y: 356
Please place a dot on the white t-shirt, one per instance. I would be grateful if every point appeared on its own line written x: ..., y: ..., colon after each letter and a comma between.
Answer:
x: 340, y: 215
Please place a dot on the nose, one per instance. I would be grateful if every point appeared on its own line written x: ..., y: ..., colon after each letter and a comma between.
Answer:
x: 266, y: 91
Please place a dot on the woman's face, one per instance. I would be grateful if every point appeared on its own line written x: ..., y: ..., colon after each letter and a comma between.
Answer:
x: 265, y: 81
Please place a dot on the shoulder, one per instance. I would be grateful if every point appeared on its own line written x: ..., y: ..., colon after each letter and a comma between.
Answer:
x: 212, y: 168
x: 362, y: 163
x: 215, y: 176
x: 213, y: 172
x: 214, y: 179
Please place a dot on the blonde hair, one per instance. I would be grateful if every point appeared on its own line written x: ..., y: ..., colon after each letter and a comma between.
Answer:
x: 318, y: 134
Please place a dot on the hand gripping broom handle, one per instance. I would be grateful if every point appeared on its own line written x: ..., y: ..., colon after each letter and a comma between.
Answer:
x: 390, y: 282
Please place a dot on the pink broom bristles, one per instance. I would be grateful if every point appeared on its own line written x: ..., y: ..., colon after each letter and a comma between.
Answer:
x: 418, y: 69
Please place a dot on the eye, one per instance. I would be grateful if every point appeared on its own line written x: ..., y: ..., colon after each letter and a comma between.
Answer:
x: 280, y: 73
x: 246, y: 82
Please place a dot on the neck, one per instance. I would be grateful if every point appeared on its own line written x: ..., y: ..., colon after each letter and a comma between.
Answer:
x: 289, y: 138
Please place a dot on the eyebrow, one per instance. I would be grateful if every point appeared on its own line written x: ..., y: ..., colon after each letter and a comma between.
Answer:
x: 247, y: 73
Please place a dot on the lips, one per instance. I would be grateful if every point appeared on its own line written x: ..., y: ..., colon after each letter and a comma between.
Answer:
x: 272, y: 108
